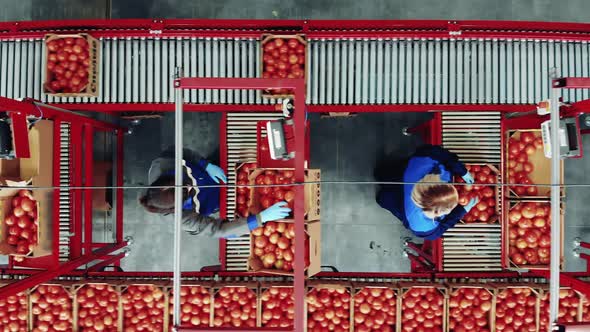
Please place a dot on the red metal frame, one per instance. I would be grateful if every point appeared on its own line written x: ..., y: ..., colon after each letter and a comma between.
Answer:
x: 223, y: 192
x: 312, y: 28
x: 81, y: 139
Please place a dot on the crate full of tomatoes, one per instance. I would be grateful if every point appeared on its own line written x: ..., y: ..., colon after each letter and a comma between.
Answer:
x: 374, y: 307
x: 570, y: 307
x: 283, y: 56
x: 278, y: 184
x: 529, y: 234
x: 52, y: 307
x: 470, y: 308
x: 196, y: 307
x: 485, y: 190
x: 276, y: 305
x: 97, y: 307
x: 242, y: 190
x: 527, y: 166
x: 516, y: 308
x: 328, y: 306
x: 272, y: 248
x: 423, y: 307
x: 143, y: 308
x: 236, y: 306
x: 71, y: 65
x: 14, y: 313
x: 20, y: 226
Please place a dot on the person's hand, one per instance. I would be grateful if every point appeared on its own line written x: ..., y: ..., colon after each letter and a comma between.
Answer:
x: 216, y: 173
x: 468, y: 178
x: 471, y: 204
x: 276, y: 212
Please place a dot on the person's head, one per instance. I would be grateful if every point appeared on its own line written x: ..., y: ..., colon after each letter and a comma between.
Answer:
x: 160, y: 200
x: 435, y: 197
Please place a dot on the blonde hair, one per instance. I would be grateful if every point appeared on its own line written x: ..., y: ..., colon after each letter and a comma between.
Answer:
x: 434, y: 196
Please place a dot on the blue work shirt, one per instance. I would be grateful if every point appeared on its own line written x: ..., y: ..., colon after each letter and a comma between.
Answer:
x: 208, y: 197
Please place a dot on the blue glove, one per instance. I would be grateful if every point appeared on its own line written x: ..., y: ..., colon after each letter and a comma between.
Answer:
x: 276, y: 212
x: 216, y: 173
x: 471, y: 204
x: 468, y: 178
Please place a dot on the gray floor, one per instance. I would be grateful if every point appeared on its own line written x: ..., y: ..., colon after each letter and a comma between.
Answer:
x: 345, y: 149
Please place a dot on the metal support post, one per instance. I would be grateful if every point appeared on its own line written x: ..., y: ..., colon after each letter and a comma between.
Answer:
x: 177, y: 197
x: 555, y: 206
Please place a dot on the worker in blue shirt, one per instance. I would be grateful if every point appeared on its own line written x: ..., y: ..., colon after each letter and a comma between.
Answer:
x: 426, y: 203
x: 200, y: 202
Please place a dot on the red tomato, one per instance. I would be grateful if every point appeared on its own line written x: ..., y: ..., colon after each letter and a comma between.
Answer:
x: 527, y: 137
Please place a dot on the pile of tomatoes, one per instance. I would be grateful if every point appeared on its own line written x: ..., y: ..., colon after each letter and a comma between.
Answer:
x: 234, y: 307
x: 519, y: 167
x: 483, y: 190
x: 516, y: 310
x: 569, y: 302
x: 242, y: 191
x: 530, y: 233
x: 22, y: 222
x: 422, y: 309
x: 470, y: 310
x: 143, y: 308
x: 283, y: 58
x: 374, y: 309
x: 274, y: 245
x: 51, y: 306
x: 277, y: 307
x: 98, y: 307
x: 328, y: 309
x: 13, y: 313
x: 195, y: 306
x: 266, y: 196
x: 68, y: 63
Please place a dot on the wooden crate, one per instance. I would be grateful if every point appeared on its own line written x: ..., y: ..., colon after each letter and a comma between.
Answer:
x: 218, y: 287
x: 500, y: 288
x: 406, y: 287
x: 64, y: 288
x: 455, y: 288
x: 266, y: 38
x: 544, y: 295
x: 264, y: 287
x: 338, y: 286
x: 358, y: 287
x: 23, y: 299
x: 495, y: 188
x: 188, y: 285
x: 161, y: 286
x: 113, y: 287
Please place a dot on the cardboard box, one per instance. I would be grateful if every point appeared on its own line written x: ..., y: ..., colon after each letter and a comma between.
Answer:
x: 313, y: 230
x: 358, y: 287
x: 65, y: 286
x: 266, y: 38
x: 453, y: 292
x: 405, y: 287
x: 508, y: 226
x: 343, y: 286
x: 36, y: 171
x: 312, y: 192
x: 91, y: 89
x: 497, y: 195
x: 541, y: 174
x: 205, y: 285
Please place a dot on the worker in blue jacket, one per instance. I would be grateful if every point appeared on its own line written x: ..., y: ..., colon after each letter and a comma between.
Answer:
x: 426, y: 203
x: 201, y: 199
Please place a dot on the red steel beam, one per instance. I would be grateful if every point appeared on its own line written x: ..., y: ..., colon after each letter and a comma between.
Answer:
x: 45, y: 276
x: 20, y: 133
x: 223, y: 193
x: 572, y: 83
x: 112, y: 259
x: 567, y: 281
x: 88, y: 181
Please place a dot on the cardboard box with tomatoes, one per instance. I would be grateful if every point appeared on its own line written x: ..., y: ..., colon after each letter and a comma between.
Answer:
x: 527, y: 166
x: 71, y: 65
x: 26, y: 215
x: 528, y: 234
x: 485, y: 189
x: 283, y: 56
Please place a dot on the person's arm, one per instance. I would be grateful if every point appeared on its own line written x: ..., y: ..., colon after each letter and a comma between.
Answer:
x: 448, y: 222
x: 443, y: 156
x: 200, y: 225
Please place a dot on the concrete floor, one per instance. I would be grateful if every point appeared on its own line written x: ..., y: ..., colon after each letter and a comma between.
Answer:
x: 345, y: 149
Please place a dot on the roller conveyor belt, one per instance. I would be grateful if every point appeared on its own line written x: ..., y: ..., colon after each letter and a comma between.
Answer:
x: 345, y: 71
